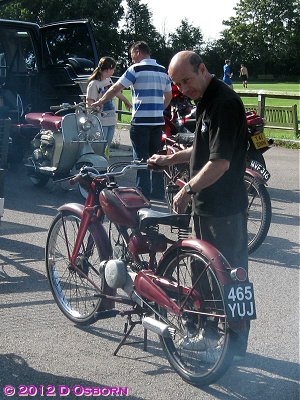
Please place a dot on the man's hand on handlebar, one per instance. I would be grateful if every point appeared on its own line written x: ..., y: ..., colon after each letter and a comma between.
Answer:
x: 158, y: 161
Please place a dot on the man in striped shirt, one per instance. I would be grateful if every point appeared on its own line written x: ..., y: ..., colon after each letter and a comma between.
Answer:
x: 151, y: 94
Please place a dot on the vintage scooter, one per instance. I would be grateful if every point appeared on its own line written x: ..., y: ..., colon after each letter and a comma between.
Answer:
x: 66, y: 142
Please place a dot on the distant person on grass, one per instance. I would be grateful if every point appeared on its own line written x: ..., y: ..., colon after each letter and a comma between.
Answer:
x: 227, y: 73
x: 244, y: 75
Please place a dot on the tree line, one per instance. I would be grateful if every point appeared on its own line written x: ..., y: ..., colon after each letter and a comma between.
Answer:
x: 263, y: 34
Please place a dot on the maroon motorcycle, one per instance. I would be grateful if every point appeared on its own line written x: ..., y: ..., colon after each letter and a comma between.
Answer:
x: 111, y: 251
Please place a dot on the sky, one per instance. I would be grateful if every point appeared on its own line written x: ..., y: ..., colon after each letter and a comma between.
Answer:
x: 206, y: 15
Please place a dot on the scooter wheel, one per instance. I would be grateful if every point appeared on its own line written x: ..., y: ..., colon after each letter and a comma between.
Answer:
x: 39, y: 180
x: 81, y: 189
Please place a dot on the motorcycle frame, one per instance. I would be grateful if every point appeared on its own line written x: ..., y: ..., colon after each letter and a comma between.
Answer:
x: 148, y: 284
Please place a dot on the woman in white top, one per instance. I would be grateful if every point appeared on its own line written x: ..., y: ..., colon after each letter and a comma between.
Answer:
x: 98, y: 83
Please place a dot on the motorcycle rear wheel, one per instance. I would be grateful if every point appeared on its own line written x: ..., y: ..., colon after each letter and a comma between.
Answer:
x: 259, y: 212
x: 180, y: 171
x: 259, y: 204
x: 74, y: 290
x: 197, y: 366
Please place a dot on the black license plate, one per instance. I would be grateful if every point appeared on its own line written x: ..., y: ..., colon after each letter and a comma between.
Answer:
x: 263, y: 172
x: 240, y: 303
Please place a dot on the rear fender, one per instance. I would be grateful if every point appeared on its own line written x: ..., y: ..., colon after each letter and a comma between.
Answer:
x: 255, y: 175
x: 219, y: 263
x: 103, y: 243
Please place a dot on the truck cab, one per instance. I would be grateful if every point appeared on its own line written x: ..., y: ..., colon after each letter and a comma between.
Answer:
x: 41, y: 66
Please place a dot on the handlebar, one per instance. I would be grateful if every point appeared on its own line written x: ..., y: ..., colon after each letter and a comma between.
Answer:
x: 67, y: 106
x: 92, y: 173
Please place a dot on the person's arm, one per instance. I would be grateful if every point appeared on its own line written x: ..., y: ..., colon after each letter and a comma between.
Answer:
x: 91, y: 93
x: 125, y: 100
x: 115, y: 89
x: 207, y: 176
x: 167, y: 99
x: 179, y: 157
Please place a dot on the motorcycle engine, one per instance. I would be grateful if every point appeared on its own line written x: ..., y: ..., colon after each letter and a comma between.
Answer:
x: 119, y: 276
x: 43, y: 144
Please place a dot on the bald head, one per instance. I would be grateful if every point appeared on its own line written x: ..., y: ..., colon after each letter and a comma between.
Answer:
x: 188, y: 72
x: 184, y: 58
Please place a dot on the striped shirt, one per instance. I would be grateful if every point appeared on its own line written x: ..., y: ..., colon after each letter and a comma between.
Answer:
x: 148, y: 81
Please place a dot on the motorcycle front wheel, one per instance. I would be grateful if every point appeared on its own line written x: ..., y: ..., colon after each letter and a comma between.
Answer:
x: 74, y: 289
x: 259, y: 212
x: 200, y: 346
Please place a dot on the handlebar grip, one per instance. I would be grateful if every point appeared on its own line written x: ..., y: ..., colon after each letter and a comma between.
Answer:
x: 156, y: 167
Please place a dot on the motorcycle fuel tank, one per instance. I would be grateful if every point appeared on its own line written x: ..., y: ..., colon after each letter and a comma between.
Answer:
x: 121, y: 205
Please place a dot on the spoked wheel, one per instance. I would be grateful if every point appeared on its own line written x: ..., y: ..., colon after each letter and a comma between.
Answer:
x: 259, y: 212
x: 180, y: 171
x: 117, y: 241
x: 74, y: 290
x: 200, y: 347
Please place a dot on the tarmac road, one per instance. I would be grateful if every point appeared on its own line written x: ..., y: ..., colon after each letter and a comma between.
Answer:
x: 41, y: 348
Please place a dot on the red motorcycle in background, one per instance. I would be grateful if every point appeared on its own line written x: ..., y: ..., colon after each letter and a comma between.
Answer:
x: 180, y: 123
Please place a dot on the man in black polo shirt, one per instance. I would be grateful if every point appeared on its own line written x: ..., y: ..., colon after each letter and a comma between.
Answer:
x: 217, y: 162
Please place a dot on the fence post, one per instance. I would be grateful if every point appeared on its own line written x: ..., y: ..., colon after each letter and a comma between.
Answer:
x: 119, y: 108
x: 295, y: 121
x: 261, y: 104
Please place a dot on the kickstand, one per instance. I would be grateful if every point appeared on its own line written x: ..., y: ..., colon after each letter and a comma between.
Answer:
x: 131, y: 324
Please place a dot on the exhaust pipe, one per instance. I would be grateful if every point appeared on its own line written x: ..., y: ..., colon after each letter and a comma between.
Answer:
x: 158, y: 327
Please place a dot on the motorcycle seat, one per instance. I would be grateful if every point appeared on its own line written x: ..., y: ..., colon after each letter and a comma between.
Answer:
x: 44, y: 120
x: 148, y: 217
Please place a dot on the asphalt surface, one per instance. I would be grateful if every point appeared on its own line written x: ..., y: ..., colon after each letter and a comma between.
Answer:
x: 41, y: 348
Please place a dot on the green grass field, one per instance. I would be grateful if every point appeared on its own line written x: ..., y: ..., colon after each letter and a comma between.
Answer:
x: 274, y: 87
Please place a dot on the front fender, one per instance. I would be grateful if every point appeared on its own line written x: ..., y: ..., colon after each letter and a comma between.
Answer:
x: 219, y: 263
x: 103, y: 243
x: 96, y: 226
x: 98, y: 162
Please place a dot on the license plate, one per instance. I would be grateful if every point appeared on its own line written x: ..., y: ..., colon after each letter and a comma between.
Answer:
x: 240, y: 303
x: 256, y: 166
x: 260, y: 141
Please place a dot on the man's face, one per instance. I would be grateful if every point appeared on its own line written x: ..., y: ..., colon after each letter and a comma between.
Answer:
x: 191, y: 83
x: 135, y: 56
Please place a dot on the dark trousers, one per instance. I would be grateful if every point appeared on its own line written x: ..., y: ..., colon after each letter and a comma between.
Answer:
x: 146, y: 141
x: 229, y: 236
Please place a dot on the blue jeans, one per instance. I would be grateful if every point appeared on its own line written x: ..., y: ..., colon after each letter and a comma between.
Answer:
x: 109, y: 132
x: 146, y: 141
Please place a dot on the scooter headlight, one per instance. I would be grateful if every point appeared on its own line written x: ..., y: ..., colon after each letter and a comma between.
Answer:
x: 85, y: 124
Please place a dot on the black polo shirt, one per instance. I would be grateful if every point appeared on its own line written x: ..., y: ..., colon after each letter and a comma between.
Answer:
x: 221, y: 133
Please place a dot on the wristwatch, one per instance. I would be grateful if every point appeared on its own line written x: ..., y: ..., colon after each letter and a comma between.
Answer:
x: 188, y: 189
